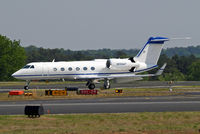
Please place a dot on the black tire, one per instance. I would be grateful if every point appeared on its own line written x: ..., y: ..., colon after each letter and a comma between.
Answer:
x: 91, y: 86
x: 26, y: 87
x: 106, y: 87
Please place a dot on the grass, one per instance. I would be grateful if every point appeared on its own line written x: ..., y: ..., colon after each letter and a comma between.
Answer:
x: 118, y: 123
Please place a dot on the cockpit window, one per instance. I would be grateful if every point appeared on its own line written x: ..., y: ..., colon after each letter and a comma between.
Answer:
x: 26, y: 67
x: 32, y: 66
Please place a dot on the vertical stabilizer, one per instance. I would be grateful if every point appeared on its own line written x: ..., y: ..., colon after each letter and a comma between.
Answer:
x: 150, y: 53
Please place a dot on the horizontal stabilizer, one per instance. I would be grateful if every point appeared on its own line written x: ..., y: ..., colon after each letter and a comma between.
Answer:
x: 160, y: 71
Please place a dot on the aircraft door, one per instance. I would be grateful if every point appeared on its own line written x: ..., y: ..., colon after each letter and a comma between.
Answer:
x: 45, y: 70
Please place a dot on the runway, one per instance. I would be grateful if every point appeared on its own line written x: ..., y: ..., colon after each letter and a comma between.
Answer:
x: 107, y: 105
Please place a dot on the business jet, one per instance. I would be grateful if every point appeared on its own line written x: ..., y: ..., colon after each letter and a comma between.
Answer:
x: 98, y: 69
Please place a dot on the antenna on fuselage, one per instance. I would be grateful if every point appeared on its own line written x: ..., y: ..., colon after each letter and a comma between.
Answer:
x: 53, y: 60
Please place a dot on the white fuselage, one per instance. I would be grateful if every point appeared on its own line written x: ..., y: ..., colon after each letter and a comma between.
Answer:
x: 78, y: 69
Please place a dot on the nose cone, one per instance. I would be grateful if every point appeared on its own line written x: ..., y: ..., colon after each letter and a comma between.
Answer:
x: 19, y: 75
x: 14, y: 74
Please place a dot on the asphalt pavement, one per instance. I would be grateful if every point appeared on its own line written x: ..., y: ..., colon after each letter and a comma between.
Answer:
x: 106, y: 105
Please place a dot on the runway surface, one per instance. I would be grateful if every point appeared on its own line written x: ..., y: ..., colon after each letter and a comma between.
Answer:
x: 107, y: 105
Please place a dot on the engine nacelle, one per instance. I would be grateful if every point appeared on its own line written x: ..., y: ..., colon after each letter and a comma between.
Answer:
x: 121, y: 64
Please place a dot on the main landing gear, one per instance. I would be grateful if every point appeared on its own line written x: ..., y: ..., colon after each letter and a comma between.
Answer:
x: 27, y: 84
x: 106, y: 84
x: 90, y: 85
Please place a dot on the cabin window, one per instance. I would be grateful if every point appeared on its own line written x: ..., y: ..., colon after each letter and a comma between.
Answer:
x: 77, y: 68
x: 32, y: 66
x: 70, y: 69
x: 93, y: 68
x: 62, y: 69
x: 85, y: 68
x: 54, y: 69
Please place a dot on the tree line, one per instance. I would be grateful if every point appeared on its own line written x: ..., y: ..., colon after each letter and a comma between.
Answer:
x: 12, y: 57
x: 182, y: 63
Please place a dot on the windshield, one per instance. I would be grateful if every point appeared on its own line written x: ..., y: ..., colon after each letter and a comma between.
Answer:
x: 28, y: 66
x: 32, y: 66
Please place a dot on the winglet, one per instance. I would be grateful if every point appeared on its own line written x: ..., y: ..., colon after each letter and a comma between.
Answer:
x: 160, y: 71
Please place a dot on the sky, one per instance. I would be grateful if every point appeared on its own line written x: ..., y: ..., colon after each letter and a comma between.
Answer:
x: 97, y: 24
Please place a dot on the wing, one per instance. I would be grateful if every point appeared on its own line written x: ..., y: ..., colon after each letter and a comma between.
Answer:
x: 159, y: 72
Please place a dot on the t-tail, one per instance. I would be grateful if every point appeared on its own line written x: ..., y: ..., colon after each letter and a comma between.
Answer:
x: 150, y: 53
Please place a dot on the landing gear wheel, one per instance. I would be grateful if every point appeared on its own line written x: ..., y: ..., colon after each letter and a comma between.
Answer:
x: 91, y: 86
x: 106, y: 86
x: 26, y: 87
x: 27, y: 84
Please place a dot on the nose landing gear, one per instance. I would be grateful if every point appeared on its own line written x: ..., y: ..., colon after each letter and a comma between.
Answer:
x: 27, y: 84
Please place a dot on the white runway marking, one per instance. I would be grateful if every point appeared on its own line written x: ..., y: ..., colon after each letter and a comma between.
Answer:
x: 109, y: 103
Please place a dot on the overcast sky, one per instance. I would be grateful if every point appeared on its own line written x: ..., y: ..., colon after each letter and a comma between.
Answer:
x: 96, y: 24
